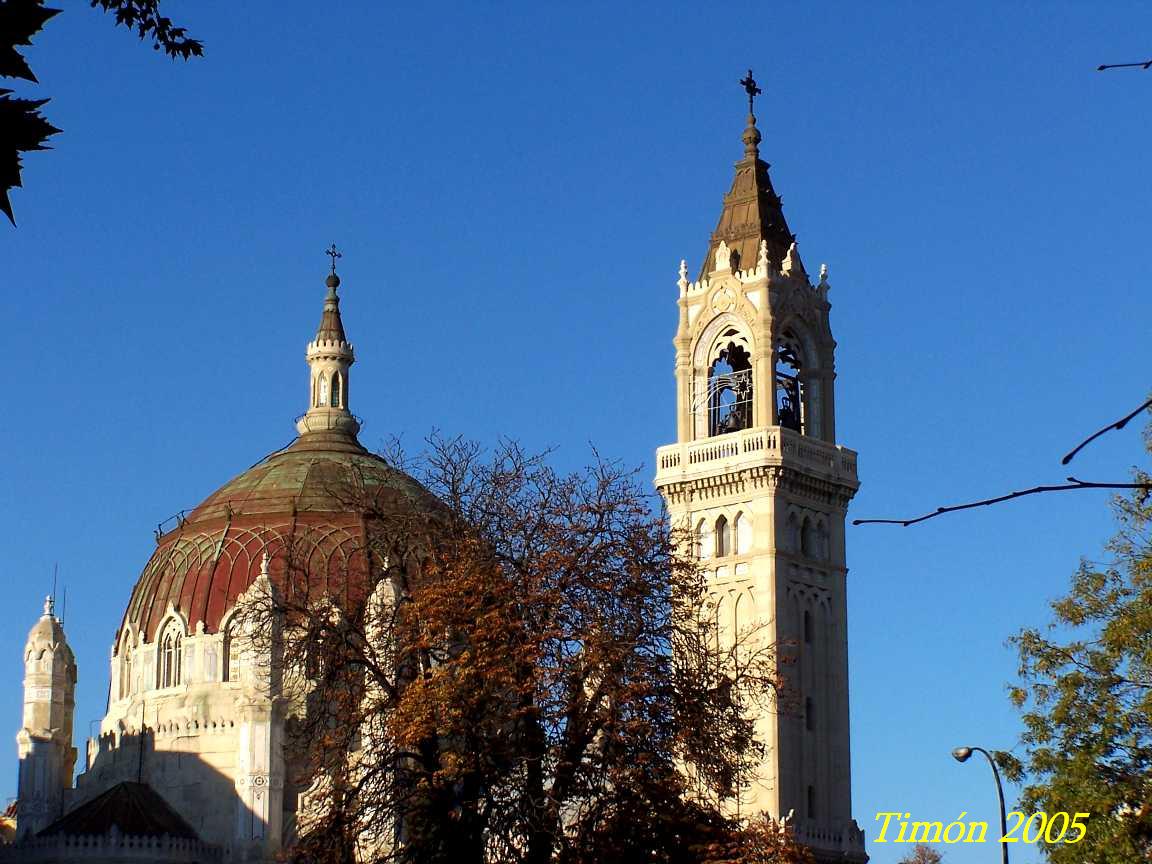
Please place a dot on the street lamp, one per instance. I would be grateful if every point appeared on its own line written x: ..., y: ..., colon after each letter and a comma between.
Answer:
x: 962, y: 754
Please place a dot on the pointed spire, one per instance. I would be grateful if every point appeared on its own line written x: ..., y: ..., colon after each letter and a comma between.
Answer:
x: 331, y: 327
x: 329, y: 357
x: 752, y: 214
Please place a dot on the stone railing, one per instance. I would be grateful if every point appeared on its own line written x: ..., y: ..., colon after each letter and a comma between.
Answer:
x: 847, y: 839
x: 112, y: 846
x: 768, y: 445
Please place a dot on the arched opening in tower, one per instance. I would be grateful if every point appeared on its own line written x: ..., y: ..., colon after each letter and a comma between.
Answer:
x: 730, y: 391
x: 790, y: 407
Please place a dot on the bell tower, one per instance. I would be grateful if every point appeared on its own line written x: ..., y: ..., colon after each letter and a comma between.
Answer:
x: 758, y: 479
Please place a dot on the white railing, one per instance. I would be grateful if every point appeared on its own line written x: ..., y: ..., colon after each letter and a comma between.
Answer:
x: 113, y: 845
x: 766, y: 445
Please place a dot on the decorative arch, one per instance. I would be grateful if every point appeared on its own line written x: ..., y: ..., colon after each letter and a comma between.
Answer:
x: 337, y: 389
x: 808, y: 537
x: 170, y: 653
x: 723, y: 537
x: 705, y: 542
x: 797, y: 392
x: 742, y: 529
x: 792, y: 531
x: 723, y: 382
x: 127, y: 662
x: 322, y: 391
x: 229, y: 650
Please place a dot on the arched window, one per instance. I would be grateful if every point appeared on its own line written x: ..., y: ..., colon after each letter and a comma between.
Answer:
x: 730, y: 389
x: 337, y: 389
x: 807, y: 538
x: 126, y: 668
x: 790, y: 392
x: 807, y: 627
x: 171, y: 656
x: 723, y: 538
x: 792, y: 533
x: 743, y: 534
x: 230, y: 667
x: 322, y: 398
x: 704, y: 540
x: 822, y: 544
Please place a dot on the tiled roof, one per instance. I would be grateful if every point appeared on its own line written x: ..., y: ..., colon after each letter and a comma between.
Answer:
x: 133, y: 808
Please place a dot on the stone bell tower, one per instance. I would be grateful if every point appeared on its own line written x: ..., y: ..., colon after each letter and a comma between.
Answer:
x: 757, y: 477
x: 44, y: 743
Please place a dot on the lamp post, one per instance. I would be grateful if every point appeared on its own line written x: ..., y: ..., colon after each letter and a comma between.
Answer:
x: 962, y: 754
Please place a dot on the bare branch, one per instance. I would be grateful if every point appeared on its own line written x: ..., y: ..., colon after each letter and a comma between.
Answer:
x: 1146, y: 64
x: 1072, y: 483
x: 1119, y: 424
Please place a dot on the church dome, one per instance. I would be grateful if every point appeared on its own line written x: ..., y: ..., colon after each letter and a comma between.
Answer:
x: 294, y: 498
x: 294, y: 501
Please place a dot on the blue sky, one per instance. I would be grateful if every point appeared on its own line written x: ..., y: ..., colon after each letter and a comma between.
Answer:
x: 513, y: 186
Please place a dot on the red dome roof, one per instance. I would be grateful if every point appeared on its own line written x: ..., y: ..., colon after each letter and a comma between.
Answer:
x: 294, y: 495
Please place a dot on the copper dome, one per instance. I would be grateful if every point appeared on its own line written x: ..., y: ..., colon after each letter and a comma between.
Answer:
x: 296, y: 496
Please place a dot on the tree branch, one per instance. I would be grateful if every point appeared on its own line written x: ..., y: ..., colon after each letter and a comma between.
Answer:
x: 1119, y: 424
x: 1146, y: 64
x: 1072, y: 483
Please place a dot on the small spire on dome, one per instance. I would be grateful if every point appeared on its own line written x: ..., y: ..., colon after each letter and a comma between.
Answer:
x: 329, y: 357
x: 331, y: 327
x: 333, y: 281
x: 49, y: 606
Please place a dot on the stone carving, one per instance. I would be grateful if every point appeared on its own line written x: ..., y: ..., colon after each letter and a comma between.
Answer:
x: 723, y: 257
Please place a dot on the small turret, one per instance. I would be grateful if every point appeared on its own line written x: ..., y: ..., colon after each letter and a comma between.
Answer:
x: 47, y: 757
x: 329, y: 355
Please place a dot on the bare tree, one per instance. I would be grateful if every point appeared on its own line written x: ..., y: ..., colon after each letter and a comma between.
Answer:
x: 528, y: 671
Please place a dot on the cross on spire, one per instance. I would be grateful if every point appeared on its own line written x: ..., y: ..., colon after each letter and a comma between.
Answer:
x: 333, y: 253
x: 751, y: 89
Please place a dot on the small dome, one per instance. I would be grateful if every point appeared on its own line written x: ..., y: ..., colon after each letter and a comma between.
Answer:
x: 293, y: 498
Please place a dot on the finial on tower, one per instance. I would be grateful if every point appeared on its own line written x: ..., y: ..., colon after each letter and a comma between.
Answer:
x: 333, y: 253
x: 751, y: 135
x: 751, y: 89
x: 49, y: 606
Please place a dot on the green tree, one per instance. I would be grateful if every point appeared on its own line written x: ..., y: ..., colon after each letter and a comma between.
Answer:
x: 23, y: 128
x: 1086, y: 697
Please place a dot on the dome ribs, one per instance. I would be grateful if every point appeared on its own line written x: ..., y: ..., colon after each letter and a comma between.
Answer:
x: 191, y: 591
x: 303, y: 504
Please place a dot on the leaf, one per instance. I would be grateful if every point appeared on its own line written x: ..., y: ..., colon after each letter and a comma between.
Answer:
x: 22, y: 129
x: 19, y: 21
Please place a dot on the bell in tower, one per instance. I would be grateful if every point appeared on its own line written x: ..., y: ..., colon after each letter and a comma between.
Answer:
x: 757, y: 478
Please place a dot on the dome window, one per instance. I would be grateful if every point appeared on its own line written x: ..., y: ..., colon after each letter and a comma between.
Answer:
x: 322, y: 401
x: 126, y: 669
x: 171, y: 656
x: 230, y: 669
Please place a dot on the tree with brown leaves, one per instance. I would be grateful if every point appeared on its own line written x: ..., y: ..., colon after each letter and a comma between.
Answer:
x: 922, y: 854
x: 529, y: 672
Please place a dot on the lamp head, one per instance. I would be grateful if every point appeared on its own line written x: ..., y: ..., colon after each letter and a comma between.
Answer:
x: 961, y: 754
